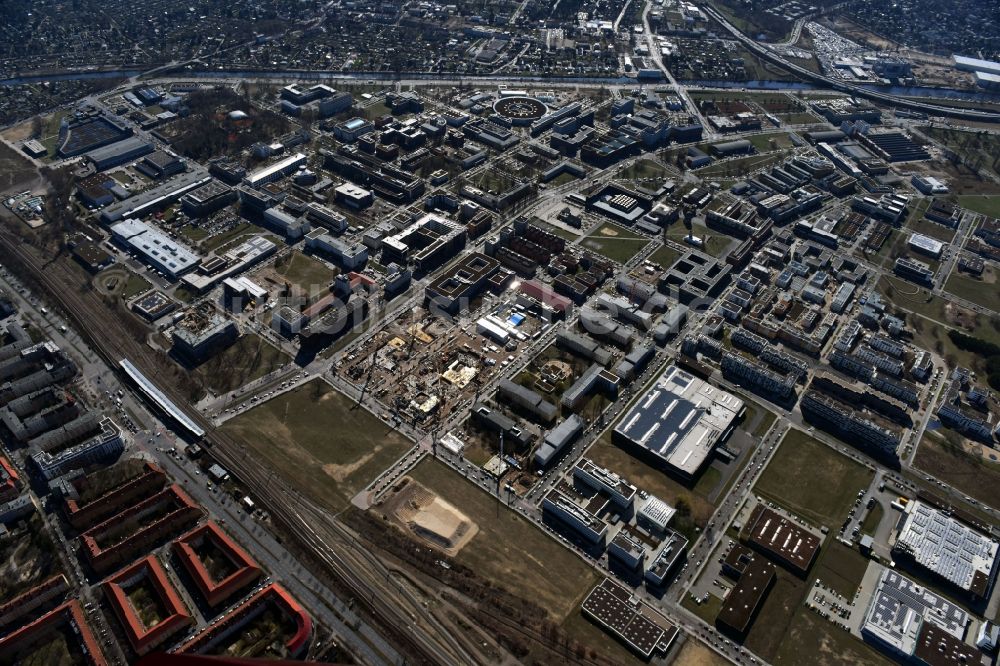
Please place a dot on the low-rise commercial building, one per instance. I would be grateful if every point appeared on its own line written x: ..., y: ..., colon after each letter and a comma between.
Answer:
x: 679, y: 422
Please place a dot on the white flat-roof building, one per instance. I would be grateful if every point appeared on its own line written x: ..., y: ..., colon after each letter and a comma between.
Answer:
x: 679, y: 421
x: 900, y: 611
x: 156, y: 248
x: 948, y: 548
x: 967, y: 64
x: 275, y: 171
x: 926, y: 244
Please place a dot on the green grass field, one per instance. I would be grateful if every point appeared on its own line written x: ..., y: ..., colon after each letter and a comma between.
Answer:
x: 642, y: 170
x: 219, y: 240
x: 969, y: 474
x: 510, y: 550
x: 985, y: 204
x: 762, y: 142
x: 840, y: 568
x: 782, y: 602
x: 742, y: 166
x: 872, y: 519
x: 922, y: 225
x: 305, y: 272
x: 812, y: 480
x: 319, y: 442
x: 247, y: 359
x: 713, y: 244
x: 615, y: 242
x: 134, y: 286
x: 665, y: 256
x: 707, y: 610
x: 983, y: 290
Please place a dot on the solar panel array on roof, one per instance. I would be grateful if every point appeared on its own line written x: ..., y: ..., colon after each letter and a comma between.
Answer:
x: 949, y: 548
x: 899, y: 607
x: 612, y: 606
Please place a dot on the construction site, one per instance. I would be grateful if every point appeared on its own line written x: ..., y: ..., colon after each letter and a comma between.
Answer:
x: 419, y: 512
x: 425, y: 368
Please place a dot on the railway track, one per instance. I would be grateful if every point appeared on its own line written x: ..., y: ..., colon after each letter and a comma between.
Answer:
x: 85, y: 311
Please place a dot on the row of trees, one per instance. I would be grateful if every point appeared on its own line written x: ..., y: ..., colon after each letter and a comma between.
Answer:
x: 989, y: 350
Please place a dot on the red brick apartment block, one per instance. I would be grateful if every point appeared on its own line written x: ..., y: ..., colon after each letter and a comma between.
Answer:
x: 178, y: 512
x: 234, y: 621
x: 144, y: 638
x: 8, y: 480
x: 245, y: 569
x: 68, y: 618
x: 36, y: 597
x: 84, y: 516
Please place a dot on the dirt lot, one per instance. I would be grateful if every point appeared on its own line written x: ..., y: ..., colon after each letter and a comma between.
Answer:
x: 508, y: 548
x: 319, y: 441
x: 963, y: 467
x: 424, y: 515
x: 694, y: 653
x: 15, y: 170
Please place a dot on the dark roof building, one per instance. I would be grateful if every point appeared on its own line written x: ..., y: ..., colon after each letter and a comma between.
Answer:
x: 781, y: 539
x: 639, y: 627
x: 741, y: 605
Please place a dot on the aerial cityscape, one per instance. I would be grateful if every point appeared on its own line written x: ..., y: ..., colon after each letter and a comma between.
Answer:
x: 591, y: 332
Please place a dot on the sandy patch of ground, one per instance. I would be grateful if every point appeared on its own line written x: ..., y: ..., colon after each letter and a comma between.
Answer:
x: 420, y: 512
x: 341, y: 472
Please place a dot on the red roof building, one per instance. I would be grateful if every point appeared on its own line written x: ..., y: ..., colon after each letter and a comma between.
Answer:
x: 241, y: 571
x: 164, y: 514
x: 84, y: 516
x: 172, y: 616
x: 67, y: 619
x: 233, y: 622
x: 8, y: 481
x: 36, y: 597
x: 545, y: 295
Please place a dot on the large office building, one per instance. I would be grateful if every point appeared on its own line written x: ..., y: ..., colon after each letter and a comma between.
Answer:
x: 557, y: 440
x: 947, y: 548
x: 427, y: 243
x: 157, y: 249
x: 103, y: 446
x: 758, y: 376
x: 116, y: 154
x: 156, y: 198
x: 208, y: 198
x: 754, y: 577
x: 602, y: 480
x: 201, y: 331
x: 454, y: 289
x: 916, y: 625
x: 640, y: 628
x: 679, y: 422
x: 276, y: 171
x: 349, y: 256
x: 850, y: 424
x: 574, y: 511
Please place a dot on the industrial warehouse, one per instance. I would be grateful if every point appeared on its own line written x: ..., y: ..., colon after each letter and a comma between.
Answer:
x: 680, y: 422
